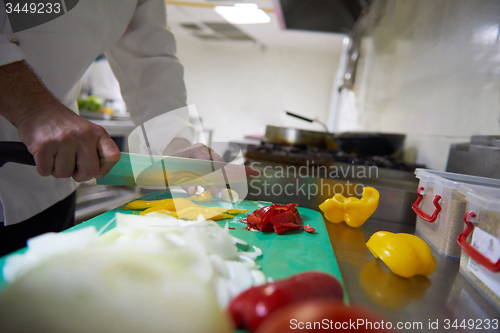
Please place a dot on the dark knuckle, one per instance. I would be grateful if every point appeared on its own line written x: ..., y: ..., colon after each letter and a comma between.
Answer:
x: 43, y: 172
x: 99, y: 130
x: 61, y: 174
x: 115, y: 156
x: 81, y: 131
x: 92, y: 172
x: 60, y: 139
x: 77, y: 178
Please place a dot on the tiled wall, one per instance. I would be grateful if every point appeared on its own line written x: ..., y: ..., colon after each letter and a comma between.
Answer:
x: 431, y: 69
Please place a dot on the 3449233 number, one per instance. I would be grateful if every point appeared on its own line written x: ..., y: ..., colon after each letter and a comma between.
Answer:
x: 477, y: 324
x: 33, y: 8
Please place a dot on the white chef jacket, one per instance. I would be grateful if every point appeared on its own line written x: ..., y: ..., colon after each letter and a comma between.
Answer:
x: 141, y: 51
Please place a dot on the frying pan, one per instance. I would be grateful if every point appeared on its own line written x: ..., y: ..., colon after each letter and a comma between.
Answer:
x: 297, y: 137
x: 359, y: 143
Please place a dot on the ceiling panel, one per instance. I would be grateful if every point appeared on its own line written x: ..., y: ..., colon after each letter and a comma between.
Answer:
x: 267, y: 34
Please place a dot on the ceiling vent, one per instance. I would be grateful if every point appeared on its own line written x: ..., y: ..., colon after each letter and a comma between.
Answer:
x: 191, y: 26
x: 336, y: 16
x: 216, y: 31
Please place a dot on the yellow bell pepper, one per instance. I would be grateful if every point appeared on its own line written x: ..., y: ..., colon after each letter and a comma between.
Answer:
x: 234, y: 211
x: 406, y: 255
x: 143, y: 204
x: 173, y: 205
x: 182, y: 176
x: 209, y: 213
x: 221, y: 216
x: 352, y: 210
x: 205, y: 196
x: 183, y: 208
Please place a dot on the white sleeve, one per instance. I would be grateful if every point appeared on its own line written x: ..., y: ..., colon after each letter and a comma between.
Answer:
x: 9, y: 52
x: 150, y: 75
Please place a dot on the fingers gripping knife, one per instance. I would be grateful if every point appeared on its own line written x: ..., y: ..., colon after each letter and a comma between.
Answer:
x: 165, y: 170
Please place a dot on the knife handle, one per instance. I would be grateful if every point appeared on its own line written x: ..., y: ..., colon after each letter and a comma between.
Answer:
x: 16, y: 152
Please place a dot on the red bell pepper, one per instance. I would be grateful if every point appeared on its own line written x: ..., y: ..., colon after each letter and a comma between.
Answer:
x: 309, y: 229
x: 281, y: 218
x: 252, y: 306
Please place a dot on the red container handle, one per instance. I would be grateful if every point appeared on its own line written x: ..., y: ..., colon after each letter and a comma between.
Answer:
x: 473, y: 253
x: 423, y: 215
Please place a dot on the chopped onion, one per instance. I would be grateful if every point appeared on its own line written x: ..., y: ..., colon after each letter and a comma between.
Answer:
x: 252, y: 255
x: 228, y: 195
x: 155, y: 257
x: 239, y: 241
x: 111, y: 290
x: 258, y: 277
x: 46, y: 246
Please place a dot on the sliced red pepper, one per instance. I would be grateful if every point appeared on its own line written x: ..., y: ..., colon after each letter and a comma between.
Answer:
x: 250, y: 227
x: 286, y: 221
x: 265, y: 224
x: 260, y: 218
x: 309, y: 229
x: 280, y: 218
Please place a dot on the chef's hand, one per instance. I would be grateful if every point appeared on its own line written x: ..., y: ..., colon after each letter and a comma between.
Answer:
x: 62, y: 143
x: 66, y: 145
x: 201, y: 152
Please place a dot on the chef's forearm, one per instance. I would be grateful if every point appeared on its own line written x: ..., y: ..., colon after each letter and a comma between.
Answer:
x: 21, y: 92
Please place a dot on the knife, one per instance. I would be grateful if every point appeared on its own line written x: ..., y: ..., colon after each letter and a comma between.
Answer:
x: 15, y: 152
x: 146, y: 170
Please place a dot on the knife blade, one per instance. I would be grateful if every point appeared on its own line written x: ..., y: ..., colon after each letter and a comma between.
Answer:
x: 146, y: 170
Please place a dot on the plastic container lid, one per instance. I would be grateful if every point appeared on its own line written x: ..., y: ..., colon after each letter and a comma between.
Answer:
x: 484, y: 197
x: 454, y: 180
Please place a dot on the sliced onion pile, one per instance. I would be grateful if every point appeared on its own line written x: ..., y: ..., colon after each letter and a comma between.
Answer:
x: 154, y: 272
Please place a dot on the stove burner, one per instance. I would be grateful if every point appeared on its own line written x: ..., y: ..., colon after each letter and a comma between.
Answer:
x: 289, y: 154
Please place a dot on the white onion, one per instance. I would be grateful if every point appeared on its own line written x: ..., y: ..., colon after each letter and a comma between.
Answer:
x: 239, y: 275
x: 157, y: 256
x: 228, y: 194
x: 111, y: 290
x: 239, y: 241
x: 220, y: 266
x: 42, y: 248
x: 249, y: 263
x: 258, y: 277
x: 252, y: 255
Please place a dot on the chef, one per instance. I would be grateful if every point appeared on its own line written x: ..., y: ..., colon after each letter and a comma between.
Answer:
x: 40, y: 71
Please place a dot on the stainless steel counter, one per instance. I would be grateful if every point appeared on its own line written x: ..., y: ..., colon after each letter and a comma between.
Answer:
x: 445, y: 295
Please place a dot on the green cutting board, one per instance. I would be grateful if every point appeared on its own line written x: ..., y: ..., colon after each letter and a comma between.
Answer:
x: 283, y: 255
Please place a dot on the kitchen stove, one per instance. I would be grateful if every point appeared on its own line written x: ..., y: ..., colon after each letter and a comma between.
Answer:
x: 314, y: 156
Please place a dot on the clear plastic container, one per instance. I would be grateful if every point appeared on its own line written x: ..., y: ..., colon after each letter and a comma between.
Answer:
x: 480, y: 259
x: 440, y: 207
